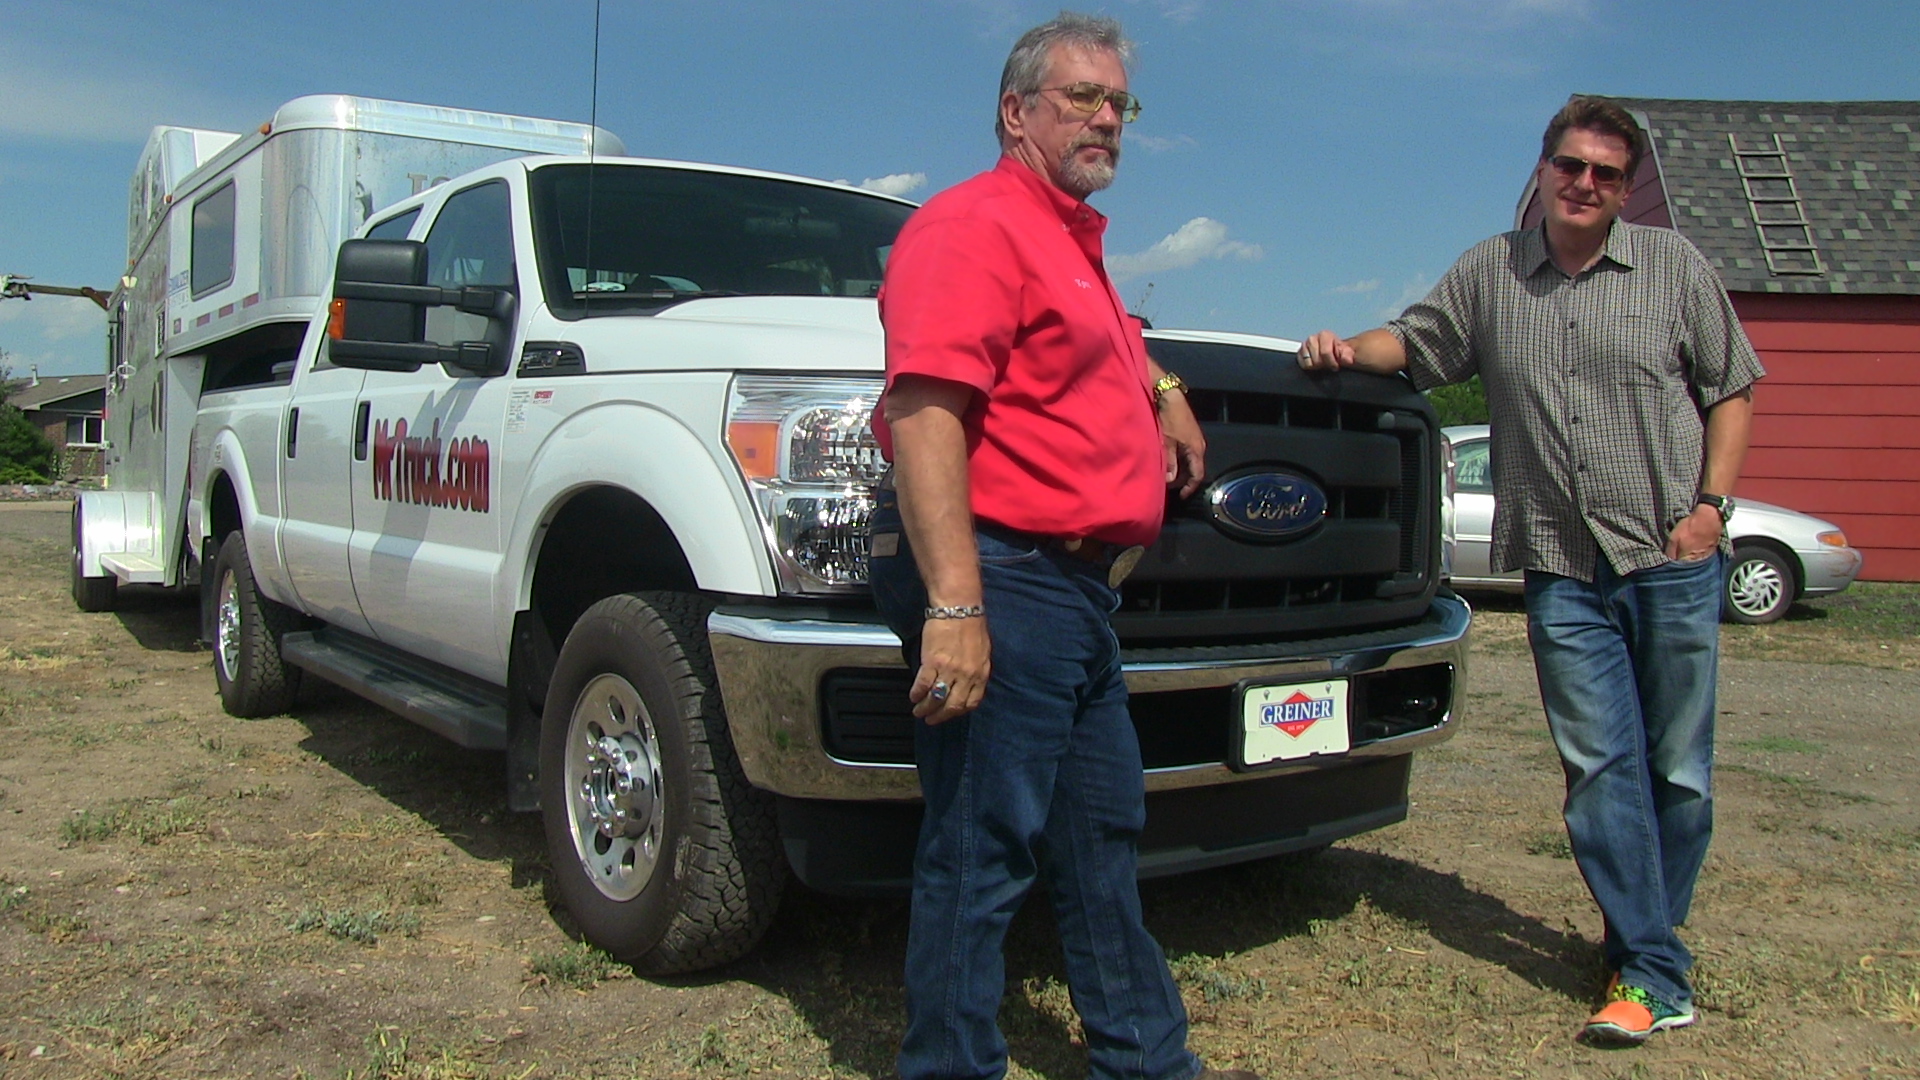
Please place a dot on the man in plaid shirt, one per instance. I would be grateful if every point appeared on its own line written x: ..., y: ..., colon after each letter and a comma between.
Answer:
x: 1619, y: 382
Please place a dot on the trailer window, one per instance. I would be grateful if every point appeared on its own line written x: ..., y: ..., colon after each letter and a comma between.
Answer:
x: 394, y: 228
x: 213, y: 240
x: 660, y: 236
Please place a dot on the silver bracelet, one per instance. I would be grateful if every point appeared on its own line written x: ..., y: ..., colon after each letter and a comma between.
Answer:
x: 973, y: 612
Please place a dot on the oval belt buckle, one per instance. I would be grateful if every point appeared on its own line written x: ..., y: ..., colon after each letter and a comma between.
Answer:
x: 1123, y: 565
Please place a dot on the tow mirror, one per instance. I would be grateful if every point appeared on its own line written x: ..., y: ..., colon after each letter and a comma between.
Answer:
x: 378, y: 317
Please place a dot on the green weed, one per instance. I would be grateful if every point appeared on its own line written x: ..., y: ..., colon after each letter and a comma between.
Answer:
x: 1552, y: 843
x: 579, y: 965
x: 147, y: 820
x: 1215, y: 984
x: 353, y: 924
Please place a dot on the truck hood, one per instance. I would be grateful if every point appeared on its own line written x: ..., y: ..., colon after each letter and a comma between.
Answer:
x: 734, y: 333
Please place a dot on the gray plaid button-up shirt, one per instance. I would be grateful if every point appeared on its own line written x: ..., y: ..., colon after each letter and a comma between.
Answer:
x: 1598, y: 386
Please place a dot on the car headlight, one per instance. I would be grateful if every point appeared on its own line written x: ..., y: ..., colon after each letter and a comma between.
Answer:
x: 1836, y: 538
x: 805, y: 447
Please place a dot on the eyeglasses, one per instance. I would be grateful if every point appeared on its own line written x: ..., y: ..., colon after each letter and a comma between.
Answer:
x: 1570, y: 168
x: 1087, y: 97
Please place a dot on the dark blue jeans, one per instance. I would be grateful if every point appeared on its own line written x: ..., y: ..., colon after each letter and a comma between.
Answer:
x: 1627, y: 667
x: 1043, y: 779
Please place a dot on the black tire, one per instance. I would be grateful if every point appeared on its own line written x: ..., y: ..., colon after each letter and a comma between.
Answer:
x: 1761, y: 584
x: 90, y: 593
x: 247, y: 628
x: 664, y: 854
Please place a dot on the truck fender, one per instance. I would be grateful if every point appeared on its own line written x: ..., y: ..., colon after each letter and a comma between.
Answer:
x: 655, y: 456
x: 226, y: 458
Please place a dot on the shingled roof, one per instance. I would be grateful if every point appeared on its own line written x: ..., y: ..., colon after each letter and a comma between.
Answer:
x: 1850, y: 167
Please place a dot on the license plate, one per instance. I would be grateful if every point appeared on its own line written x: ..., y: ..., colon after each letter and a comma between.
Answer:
x: 1293, y: 720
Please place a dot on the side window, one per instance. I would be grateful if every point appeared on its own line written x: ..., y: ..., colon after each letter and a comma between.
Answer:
x: 1472, y: 467
x: 471, y: 243
x: 213, y: 240
x: 394, y: 228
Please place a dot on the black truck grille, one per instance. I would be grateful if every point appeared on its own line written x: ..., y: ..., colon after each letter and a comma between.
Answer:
x: 1369, y: 443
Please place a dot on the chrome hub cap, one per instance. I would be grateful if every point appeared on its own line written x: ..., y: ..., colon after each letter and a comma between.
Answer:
x: 1755, y: 587
x: 226, y: 627
x: 615, y: 807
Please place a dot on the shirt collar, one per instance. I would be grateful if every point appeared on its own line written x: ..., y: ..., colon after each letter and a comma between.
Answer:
x: 1618, y: 248
x: 1072, y: 212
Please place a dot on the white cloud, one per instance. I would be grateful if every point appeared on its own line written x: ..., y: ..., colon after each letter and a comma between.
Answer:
x: 895, y: 183
x: 1155, y: 144
x: 1416, y: 288
x: 1201, y: 238
x: 53, y: 318
x: 1351, y: 287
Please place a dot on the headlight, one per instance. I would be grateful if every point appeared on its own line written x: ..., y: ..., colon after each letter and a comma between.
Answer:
x: 806, y: 449
x: 1832, y: 539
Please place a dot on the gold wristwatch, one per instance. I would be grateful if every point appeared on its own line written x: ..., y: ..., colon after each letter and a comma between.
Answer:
x: 1167, y: 382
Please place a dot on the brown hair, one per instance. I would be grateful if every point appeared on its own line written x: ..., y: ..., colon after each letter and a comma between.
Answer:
x: 1603, y: 116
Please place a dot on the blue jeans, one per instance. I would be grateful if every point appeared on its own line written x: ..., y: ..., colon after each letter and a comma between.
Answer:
x: 1627, y: 668
x: 1043, y: 779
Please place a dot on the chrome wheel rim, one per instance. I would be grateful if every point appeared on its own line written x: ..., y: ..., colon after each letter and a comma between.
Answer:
x: 615, y: 807
x: 226, y: 626
x: 1755, y: 587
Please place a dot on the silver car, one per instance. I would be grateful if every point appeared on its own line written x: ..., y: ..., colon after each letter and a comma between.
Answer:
x: 1779, y: 555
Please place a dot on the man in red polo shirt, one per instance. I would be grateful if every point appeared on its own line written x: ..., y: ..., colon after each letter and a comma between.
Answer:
x: 1024, y: 420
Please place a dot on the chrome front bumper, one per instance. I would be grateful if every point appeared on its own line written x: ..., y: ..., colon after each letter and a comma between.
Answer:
x: 770, y: 664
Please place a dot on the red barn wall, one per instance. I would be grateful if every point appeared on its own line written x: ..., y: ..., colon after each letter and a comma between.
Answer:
x: 1836, y: 429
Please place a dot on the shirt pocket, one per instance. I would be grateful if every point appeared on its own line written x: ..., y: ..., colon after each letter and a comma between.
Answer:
x: 1644, y: 349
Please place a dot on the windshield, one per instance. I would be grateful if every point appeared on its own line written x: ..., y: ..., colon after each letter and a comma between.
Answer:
x: 659, y: 236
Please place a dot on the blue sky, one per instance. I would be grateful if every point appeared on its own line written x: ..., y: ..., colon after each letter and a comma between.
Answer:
x: 1299, y: 164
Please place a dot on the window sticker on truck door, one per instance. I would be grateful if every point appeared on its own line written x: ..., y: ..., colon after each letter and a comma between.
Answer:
x: 518, y: 401
x: 427, y: 470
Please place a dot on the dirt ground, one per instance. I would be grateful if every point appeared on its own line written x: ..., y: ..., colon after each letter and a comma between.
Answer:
x: 337, y: 893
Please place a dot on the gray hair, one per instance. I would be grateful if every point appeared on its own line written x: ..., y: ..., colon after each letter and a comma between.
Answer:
x: 1027, y: 64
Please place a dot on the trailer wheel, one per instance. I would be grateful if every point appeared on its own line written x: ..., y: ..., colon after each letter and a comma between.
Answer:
x: 665, y: 855
x: 247, y: 629
x: 90, y: 593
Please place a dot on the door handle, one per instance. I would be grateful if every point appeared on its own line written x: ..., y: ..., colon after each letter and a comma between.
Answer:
x: 293, y: 431
x: 360, y: 420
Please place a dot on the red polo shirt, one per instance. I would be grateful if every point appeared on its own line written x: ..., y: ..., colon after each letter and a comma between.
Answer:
x: 998, y: 283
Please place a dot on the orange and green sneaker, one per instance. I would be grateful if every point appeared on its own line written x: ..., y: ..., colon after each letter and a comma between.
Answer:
x: 1630, y: 1016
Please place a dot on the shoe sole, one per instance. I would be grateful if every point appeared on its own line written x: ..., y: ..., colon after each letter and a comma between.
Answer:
x: 1615, y: 1035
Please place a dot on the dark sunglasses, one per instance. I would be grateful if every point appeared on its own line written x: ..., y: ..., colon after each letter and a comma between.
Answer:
x: 1571, y: 167
x: 1087, y: 97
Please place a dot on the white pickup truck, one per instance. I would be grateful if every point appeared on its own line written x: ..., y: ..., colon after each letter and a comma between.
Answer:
x: 575, y: 465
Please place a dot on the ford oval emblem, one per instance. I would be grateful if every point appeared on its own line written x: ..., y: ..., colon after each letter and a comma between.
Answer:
x: 1267, y: 505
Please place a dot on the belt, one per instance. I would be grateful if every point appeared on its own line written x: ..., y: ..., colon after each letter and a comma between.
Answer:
x: 1118, y: 560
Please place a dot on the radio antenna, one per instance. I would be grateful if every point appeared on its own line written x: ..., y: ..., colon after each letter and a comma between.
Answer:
x: 593, y: 142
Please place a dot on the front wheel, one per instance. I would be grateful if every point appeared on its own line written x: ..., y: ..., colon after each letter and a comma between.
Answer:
x: 247, y: 628
x: 1760, y: 586
x: 665, y: 855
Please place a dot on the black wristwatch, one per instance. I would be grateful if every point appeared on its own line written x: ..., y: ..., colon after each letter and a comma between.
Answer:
x: 1722, y: 503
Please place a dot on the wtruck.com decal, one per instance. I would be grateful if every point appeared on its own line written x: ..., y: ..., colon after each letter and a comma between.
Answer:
x: 426, y: 471
x: 1296, y: 714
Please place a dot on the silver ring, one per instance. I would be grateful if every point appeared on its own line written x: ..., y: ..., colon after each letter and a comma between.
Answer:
x: 1306, y: 356
x: 940, y: 691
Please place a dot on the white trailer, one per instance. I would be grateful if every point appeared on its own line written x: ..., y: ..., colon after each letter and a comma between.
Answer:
x: 230, y: 239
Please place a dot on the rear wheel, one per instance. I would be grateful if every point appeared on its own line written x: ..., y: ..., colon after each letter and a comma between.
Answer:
x: 247, y: 628
x: 665, y: 855
x: 90, y: 593
x: 1760, y: 586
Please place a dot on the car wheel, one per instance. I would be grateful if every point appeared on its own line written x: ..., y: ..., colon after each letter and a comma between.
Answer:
x: 247, y: 629
x: 90, y: 593
x: 1760, y: 586
x: 665, y: 855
